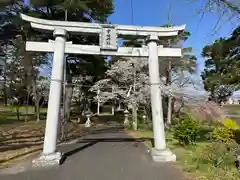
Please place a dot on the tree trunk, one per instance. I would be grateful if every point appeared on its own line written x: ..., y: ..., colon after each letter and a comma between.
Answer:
x: 5, y: 81
x: 119, y: 105
x: 173, y: 108
x: 180, y: 108
x: 169, y: 114
x: 98, y: 102
x: 134, y: 116
x: 38, y: 111
x: 113, y: 109
x: 36, y: 101
x: 89, y: 105
x: 67, y: 103
x: 134, y: 105
x: 18, y: 113
x: 29, y: 76
x: 27, y: 102
x: 48, y: 10
x: 169, y: 82
x: 5, y: 91
x: 112, y: 102
x: 98, y: 107
x: 68, y: 92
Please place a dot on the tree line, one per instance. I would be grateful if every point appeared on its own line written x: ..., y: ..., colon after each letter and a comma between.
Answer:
x: 22, y: 80
x: 221, y: 73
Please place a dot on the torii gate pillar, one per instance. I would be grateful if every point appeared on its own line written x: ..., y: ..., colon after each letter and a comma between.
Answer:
x: 50, y: 156
x: 159, y: 153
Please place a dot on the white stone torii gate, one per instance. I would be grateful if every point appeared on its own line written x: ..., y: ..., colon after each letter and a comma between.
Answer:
x: 108, y: 35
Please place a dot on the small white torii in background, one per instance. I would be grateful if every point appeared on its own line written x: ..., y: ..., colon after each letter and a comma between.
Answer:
x: 108, y: 34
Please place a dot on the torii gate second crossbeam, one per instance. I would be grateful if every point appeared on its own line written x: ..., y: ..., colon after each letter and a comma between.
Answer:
x: 108, y: 35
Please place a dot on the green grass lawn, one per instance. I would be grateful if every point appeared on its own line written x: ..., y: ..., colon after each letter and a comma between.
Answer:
x: 8, y: 115
x: 233, y: 109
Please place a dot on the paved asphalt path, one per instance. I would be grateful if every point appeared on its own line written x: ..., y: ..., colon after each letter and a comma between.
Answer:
x: 107, y: 154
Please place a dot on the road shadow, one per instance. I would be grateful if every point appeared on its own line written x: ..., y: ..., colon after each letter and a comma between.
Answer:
x: 98, y: 140
x: 108, y: 129
x: 76, y: 150
x: 89, y: 142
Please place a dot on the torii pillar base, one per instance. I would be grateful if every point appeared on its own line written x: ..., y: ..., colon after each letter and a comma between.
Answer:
x: 165, y: 155
x: 49, y: 160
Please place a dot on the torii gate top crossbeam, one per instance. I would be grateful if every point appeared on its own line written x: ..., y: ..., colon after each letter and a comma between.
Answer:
x: 94, y: 28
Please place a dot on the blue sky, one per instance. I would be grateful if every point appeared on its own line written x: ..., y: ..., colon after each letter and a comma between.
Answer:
x: 155, y: 13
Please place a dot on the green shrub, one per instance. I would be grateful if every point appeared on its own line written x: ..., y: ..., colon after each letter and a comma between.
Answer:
x: 222, y: 134
x: 186, y: 131
x: 218, y: 155
x: 227, y: 132
x: 145, y: 126
x: 223, y: 174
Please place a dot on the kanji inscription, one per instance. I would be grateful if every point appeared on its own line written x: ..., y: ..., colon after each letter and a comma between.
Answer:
x: 108, y: 38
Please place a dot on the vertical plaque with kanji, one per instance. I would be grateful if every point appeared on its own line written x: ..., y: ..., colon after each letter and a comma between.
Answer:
x: 108, y: 38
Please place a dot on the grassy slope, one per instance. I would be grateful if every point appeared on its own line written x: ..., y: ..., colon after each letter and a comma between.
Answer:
x: 186, y: 159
